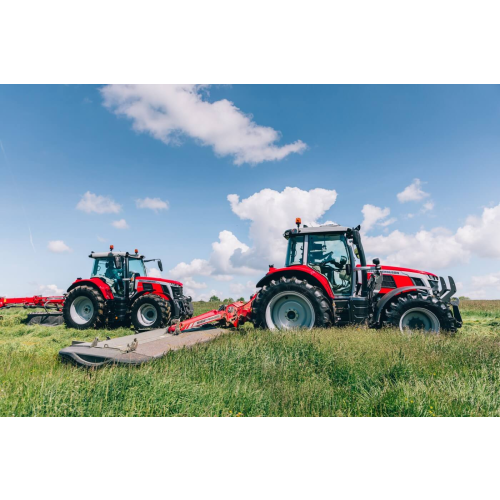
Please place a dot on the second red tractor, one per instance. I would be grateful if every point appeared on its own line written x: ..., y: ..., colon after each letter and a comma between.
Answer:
x: 120, y: 292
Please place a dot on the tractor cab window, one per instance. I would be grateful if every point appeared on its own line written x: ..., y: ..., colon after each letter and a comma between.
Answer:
x: 329, y: 254
x: 295, y: 253
x: 136, y: 266
x: 106, y: 268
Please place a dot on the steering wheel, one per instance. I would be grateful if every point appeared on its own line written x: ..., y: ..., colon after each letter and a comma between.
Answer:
x: 337, y: 265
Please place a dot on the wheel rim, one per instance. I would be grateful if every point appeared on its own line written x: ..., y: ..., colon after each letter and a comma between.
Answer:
x: 288, y: 310
x: 82, y: 310
x: 147, y: 314
x: 419, y: 319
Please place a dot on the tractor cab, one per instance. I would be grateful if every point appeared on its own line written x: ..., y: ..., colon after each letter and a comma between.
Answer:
x: 330, y: 250
x: 119, y: 268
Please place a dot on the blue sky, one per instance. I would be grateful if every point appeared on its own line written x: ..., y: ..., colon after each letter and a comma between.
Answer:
x: 191, y: 147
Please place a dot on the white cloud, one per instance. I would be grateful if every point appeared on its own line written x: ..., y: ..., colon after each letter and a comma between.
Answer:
x: 388, y: 222
x: 485, y: 286
x: 440, y: 248
x: 152, y: 203
x: 197, y: 267
x: 168, y: 112
x: 58, y: 246
x: 91, y: 202
x: 191, y: 284
x: 428, y: 206
x: 47, y: 290
x: 427, y: 250
x: 243, y: 290
x: 120, y: 224
x: 373, y: 215
x: 270, y: 213
x: 481, y: 235
x: 154, y: 272
x: 413, y: 192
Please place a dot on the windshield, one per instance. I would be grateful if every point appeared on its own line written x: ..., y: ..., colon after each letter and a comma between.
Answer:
x: 329, y: 254
x: 295, y: 253
x: 105, y: 268
x: 136, y: 266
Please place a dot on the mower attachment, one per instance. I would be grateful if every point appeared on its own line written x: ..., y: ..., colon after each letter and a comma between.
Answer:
x: 134, y: 349
x: 45, y: 319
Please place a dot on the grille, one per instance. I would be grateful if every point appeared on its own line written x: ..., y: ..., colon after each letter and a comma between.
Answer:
x: 388, y: 281
x: 418, y: 282
x: 148, y: 287
x: 434, y: 284
x: 177, y: 291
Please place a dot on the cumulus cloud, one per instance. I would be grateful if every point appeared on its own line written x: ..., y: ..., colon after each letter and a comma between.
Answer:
x: 58, y: 246
x: 168, y: 112
x: 154, y: 272
x: 244, y: 290
x: 481, y: 235
x: 91, y: 202
x: 486, y: 286
x: 373, y: 215
x: 120, y: 224
x: 197, y: 267
x: 270, y: 213
x: 428, y: 206
x: 413, y: 192
x: 441, y: 248
x: 155, y: 204
x: 47, y: 290
x: 435, y: 249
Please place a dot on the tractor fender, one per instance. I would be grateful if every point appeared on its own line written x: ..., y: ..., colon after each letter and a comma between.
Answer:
x: 389, y: 296
x: 303, y: 272
x: 96, y: 283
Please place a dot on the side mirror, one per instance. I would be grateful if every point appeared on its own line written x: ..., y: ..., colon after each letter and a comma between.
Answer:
x: 160, y: 265
x: 118, y: 262
x: 376, y: 261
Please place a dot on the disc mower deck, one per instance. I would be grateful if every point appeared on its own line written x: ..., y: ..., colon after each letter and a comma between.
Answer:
x: 135, y: 349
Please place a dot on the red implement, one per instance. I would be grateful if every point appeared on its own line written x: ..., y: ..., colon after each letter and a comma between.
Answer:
x: 232, y: 315
x: 53, y: 302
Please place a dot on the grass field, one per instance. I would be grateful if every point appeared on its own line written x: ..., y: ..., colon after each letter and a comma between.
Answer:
x: 336, y: 372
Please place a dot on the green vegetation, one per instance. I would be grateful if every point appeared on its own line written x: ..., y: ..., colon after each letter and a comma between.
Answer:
x: 337, y: 372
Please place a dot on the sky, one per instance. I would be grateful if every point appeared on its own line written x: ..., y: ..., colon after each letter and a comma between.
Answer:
x: 208, y: 178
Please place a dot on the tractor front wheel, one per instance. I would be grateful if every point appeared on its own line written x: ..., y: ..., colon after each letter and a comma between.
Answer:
x: 291, y: 303
x: 84, y: 308
x: 150, y: 311
x: 420, y: 312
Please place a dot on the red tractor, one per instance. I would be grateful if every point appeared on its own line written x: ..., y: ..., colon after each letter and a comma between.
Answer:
x: 120, y: 292
x: 327, y: 282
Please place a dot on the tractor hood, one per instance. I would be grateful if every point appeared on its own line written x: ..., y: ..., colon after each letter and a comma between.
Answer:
x: 402, y: 270
x: 159, y: 280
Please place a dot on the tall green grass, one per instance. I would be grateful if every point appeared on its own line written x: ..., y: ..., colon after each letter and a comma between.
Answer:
x: 335, y: 372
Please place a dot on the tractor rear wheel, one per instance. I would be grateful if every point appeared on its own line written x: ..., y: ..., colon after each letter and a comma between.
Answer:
x: 291, y: 303
x: 420, y: 312
x: 150, y: 311
x: 84, y: 308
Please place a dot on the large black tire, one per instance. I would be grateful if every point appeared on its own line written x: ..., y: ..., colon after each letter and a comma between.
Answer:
x: 150, y: 311
x: 84, y: 307
x: 272, y: 300
x: 420, y: 311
